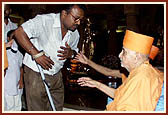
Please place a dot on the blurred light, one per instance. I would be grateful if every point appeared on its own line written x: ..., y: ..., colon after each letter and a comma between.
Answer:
x: 118, y: 31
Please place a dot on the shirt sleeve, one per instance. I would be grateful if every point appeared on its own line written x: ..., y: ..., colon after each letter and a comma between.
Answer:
x: 33, y: 26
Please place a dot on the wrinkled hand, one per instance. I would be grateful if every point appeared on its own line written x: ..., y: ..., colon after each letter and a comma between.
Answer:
x: 86, y: 81
x: 81, y: 58
x: 9, y: 44
x: 45, y: 62
x: 65, y: 53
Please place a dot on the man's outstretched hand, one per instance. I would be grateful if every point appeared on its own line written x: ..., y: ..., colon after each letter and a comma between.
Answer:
x: 65, y: 53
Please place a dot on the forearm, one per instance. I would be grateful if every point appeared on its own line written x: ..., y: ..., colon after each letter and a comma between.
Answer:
x: 104, y: 88
x: 104, y: 70
x: 25, y: 42
x: 21, y: 73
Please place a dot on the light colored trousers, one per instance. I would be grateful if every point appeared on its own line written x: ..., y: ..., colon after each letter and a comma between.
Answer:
x: 13, y: 103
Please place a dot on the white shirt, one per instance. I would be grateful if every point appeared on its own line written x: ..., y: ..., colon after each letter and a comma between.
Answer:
x: 45, y: 31
x: 12, y: 75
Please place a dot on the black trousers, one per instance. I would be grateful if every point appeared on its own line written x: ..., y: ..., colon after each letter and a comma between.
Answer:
x: 36, y: 95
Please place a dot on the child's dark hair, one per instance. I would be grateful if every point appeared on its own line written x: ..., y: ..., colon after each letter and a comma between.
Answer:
x: 10, y: 32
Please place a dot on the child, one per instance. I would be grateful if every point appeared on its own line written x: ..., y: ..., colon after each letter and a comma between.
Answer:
x: 13, y: 81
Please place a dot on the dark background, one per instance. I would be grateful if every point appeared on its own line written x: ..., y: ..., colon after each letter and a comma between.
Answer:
x: 105, y: 28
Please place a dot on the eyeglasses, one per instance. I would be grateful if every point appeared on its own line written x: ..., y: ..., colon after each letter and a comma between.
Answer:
x: 77, y: 19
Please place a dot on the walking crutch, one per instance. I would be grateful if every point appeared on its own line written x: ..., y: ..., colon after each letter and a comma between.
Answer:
x: 46, y: 86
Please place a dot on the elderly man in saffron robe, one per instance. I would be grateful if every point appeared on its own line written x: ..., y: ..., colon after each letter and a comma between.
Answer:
x: 142, y: 89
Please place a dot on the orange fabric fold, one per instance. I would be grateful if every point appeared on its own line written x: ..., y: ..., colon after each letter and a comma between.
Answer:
x: 123, y: 77
x: 154, y: 51
x: 5, y: 58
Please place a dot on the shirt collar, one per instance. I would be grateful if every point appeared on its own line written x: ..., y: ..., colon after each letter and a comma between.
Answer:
x: 9, y: 21
x: 57, y: 23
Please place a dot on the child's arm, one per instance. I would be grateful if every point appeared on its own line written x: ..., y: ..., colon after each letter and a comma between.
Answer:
x: 9, y: 44
x: 20, y: 83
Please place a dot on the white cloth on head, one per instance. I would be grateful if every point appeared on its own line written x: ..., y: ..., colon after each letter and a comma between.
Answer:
x: 44, y: 32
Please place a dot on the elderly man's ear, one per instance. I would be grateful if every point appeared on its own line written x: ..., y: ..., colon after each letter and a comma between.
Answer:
x: 137, y: 57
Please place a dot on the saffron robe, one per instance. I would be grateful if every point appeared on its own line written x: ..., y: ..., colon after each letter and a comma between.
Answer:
x: 5, y: 58
x: 140, y: 91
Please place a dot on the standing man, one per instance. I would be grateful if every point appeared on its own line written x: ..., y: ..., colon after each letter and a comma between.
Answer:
x: 48, y: 40
x: 8, y: 25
